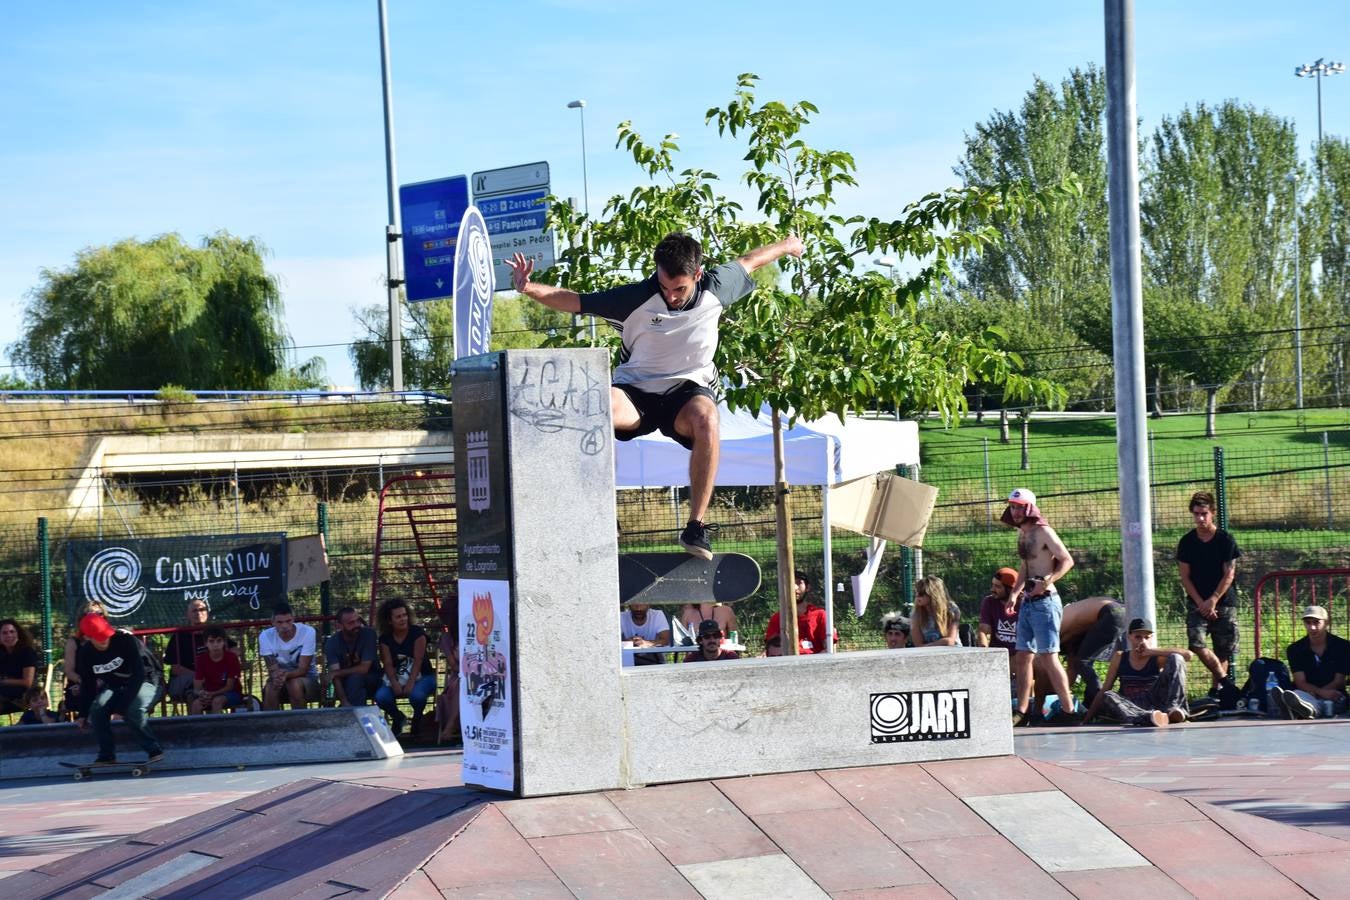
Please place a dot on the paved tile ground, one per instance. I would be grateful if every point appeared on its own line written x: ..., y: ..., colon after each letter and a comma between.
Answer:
x: 932, y: 830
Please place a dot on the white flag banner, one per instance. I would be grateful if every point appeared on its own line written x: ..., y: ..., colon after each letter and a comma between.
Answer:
x: 475, y: 280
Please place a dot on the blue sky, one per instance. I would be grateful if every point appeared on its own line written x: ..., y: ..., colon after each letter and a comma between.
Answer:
x: 263, y: 118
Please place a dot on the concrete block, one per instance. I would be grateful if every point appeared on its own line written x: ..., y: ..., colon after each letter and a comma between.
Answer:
x: 209, y: 742
x: 760, y: 716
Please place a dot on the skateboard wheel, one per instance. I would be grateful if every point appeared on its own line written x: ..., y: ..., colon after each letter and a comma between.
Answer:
x: 80, y: 776
x: 137, y: 772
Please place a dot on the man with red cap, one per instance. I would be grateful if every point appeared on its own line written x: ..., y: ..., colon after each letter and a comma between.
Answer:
x: 1045, y: 560
x: 112, y: 659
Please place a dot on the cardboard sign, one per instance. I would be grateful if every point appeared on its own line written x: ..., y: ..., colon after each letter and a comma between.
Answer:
x: 884, y: 506
x: 306, y: 562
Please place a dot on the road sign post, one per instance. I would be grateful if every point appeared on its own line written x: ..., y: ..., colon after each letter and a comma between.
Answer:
x: 432, y: 211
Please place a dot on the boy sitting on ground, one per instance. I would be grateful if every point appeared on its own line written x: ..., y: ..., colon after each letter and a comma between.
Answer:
x: 1152, y: 682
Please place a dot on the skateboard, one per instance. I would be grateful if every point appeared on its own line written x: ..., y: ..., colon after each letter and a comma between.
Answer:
x: 86, y: 770
x: 670, y: 578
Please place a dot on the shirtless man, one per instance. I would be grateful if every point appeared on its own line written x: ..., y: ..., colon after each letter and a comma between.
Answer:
x: 666, y: 379
x: 1045, y: 560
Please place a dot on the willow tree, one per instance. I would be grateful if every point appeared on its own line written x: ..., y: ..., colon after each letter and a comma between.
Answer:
x: 825, y: 336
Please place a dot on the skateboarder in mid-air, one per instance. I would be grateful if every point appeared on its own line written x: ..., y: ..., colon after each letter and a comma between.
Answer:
x: 666, y: 380
x: 111, y: 659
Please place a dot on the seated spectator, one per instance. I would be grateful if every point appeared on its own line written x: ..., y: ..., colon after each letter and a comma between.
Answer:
x: 217, y: 676
x: 447, y: 704
x: 710, y: 644
x: 407, y: 665
x: 37, y: 712
x: 645, y: 627
x: 895, y: 630
x: 18, y: 665
x: 73, y: 643
x: 998, y: 614
x: 936, y: 619
x: 694, y: 614
x: 1089, y: 630
x: 1152, y: 682
x: 352, y: 657
x: 1318, y: 662
x: 287, y: 648
x: 773, y: 646
x: 180, y: 654
x: 812, y: 627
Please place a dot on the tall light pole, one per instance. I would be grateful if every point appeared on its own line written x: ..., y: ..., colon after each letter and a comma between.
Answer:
x: 393, y: 233
x: 580, y: 106
x: 1319, y: 70
x: 1298, y: 307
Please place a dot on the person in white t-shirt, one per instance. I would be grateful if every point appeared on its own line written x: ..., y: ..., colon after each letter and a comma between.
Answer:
x: 288, y: 650
x: 645, y: 627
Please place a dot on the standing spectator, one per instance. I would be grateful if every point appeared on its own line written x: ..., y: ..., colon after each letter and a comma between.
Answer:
x: 287, y: 648
x: 1206, y: 558
x: 74, y: 641
x: 18, y: 665
x: 895, y: 630
x: 1319, y: 662
x: 112, y: 660
x: 217, y: 676
x: 812, y: 628
x: 998, y: 614
x: 644, y: 627
x: 351, y: 654
x: 180, y: 654
x: 710, y: 644
x: 1045, y: 560
x: 936, y: 619
x: 407, y: 667
x: 1152, y: 682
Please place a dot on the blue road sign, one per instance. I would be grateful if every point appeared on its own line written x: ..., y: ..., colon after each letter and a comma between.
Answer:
x: 431, y: 212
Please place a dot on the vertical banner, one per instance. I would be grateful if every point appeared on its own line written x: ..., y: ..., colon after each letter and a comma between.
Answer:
x: 475, y: 281
x: 486, y: 709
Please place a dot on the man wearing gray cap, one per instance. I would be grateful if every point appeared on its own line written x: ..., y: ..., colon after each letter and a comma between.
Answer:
x: 1319, y: 662
x: 1152, y: 682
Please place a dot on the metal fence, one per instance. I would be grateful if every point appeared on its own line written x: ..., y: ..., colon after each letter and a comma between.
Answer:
x: 1288, y: 510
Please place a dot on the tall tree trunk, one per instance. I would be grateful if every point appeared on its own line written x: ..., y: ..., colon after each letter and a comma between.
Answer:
x: 1211, y: 405
x: 979, y: 406
x: 1003, y: 426
x: 787, y: 601
x: 1157, y: 392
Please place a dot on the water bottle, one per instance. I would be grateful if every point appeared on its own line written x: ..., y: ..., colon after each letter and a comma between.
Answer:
x: 1272, y: 685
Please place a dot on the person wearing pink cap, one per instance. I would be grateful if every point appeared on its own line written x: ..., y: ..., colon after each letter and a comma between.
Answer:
x: 1045, y: 560
x: 114, y: 658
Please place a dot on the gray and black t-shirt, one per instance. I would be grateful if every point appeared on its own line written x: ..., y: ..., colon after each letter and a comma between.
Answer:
x: 663, y: 347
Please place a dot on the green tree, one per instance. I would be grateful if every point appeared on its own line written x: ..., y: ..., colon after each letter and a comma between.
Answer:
x: 1216, y: 216
x: 827, y: 338
x: 144, y: 314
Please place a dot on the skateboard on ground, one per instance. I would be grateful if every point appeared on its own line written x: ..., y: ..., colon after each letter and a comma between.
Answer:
x: 670, y: 578
x: 87, y: 770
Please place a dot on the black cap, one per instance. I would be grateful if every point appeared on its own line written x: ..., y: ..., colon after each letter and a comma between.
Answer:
x: 1140, y: 625
x: 709, y: 626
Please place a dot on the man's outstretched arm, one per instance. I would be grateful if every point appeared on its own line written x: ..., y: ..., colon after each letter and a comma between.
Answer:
x: 552, y: 297
x: 762, y: 256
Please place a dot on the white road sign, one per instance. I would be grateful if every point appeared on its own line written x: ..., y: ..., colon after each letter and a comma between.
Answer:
x: 512, y: 203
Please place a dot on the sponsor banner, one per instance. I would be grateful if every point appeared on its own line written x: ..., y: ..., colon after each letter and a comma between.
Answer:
x: 147, y: 582
x: 486, y: 686
x: 920, y: 716
x: 475, y: 281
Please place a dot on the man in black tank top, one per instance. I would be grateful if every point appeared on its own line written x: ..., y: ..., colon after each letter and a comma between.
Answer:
x: 1152, y: 682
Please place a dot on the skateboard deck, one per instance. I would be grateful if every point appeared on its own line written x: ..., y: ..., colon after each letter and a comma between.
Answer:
x: 86, y: 770
x: 669, y: 578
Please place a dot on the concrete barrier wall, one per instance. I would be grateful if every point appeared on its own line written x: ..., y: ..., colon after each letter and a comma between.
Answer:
x: 760, y: 716
x: 208, y: 742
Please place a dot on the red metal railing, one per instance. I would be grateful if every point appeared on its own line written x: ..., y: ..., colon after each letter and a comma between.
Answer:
x: 1282, y: 595
x: 416, y: 557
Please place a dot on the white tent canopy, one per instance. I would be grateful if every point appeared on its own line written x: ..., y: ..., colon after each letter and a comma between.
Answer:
x: 825, y: 452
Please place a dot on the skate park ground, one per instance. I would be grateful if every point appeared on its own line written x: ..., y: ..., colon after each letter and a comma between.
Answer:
x: 1229, y: 809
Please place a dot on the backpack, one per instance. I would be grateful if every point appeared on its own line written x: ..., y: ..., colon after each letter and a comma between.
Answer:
x: 1258, y: 673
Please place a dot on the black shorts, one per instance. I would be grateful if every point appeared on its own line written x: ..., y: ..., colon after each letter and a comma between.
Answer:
x: 658, y: 411
x: 1223, y: 631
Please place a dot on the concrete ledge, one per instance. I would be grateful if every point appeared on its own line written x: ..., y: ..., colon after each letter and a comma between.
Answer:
x: 209, y: 742
x: 760, y: 716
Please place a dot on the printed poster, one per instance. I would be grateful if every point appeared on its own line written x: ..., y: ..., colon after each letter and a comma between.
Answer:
x: 486, y: 711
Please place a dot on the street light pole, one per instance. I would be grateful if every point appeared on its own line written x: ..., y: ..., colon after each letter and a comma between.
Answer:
x: 580, y: 106
x: 1298, y: 306
x: 393, y: 234
x: 1319, y: 70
